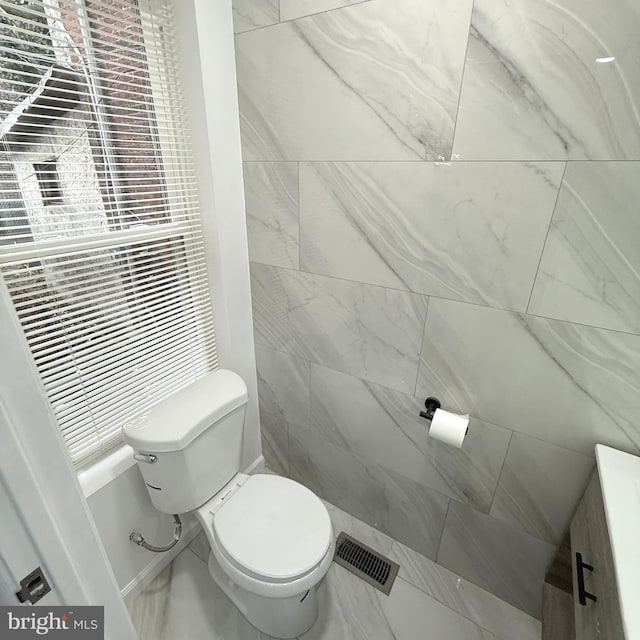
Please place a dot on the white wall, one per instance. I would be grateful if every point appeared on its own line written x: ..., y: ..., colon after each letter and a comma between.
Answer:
x: 123, y: 506
x: 209, y: 73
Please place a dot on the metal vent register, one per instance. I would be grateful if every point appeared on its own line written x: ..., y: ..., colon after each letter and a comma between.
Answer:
x: 367, y: 564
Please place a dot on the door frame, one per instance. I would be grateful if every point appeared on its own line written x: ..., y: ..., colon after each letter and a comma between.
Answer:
x: 51, y: 526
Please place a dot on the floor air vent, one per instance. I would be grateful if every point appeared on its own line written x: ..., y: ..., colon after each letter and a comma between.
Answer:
x: 366, y: 563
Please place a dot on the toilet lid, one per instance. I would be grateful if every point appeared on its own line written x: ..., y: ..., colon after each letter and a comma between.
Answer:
x: 273, y: 528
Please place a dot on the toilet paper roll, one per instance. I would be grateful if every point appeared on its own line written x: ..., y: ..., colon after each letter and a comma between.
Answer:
x: 449, y: 427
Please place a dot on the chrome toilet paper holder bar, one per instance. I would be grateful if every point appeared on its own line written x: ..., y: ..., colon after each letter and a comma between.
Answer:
x: 431, y: 404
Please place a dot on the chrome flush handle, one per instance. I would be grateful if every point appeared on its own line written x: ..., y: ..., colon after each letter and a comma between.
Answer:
x: 145, y: 457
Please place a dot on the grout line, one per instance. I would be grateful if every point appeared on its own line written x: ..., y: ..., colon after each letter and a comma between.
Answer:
x: 333, y: 368
x: 504, y: 462
x: 260, y: 28
x: 511, y: 429
x: 434, y: 596
x: 544, y: 244
x: 424, y: 332
x: 452, y: 300
x: 310, y: 418
x: 409, y: 395
x: 444, y: 526
x: 193, y: 552
x: 288, y: 454
x: 384, y: 287
x: 299, y: 222
x: 463, y: 614
x: 368, y: 463
x: 306, y: 15
x: 524, y: 434
x: 317, y: 13
x: 464, y: 68
x: 583, y: 324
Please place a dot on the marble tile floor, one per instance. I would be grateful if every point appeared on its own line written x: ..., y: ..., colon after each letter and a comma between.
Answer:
x: 426, y: 602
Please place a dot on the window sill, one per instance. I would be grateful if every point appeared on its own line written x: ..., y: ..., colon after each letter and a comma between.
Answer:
x: 101, y: 473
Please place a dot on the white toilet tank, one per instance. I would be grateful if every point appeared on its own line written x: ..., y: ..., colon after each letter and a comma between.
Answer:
x: 191, y: 442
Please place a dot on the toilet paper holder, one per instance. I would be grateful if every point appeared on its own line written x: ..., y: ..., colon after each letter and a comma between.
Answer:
x: 430, y: 404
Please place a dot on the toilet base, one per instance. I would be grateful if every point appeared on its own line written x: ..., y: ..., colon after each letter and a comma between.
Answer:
x: 278, y: 617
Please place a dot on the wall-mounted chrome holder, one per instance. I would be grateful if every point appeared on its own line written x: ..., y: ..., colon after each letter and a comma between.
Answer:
x: 431, y: 404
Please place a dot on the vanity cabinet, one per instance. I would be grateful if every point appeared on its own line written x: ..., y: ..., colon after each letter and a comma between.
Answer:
x: 580, y: 598
x: 596, y: 604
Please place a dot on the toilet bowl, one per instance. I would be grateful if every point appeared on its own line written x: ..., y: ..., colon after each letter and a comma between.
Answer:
x: 271, y: 544
x: 271, y: 538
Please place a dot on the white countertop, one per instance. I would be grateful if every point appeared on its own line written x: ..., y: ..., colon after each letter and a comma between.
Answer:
x: 620, y: 480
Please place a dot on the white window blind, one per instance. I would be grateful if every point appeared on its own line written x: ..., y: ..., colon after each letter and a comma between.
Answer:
x: 101, y: 246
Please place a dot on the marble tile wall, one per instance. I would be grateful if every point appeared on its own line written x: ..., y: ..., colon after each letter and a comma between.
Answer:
x: 441, y: 200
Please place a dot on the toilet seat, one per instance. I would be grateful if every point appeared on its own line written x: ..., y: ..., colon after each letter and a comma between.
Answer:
x: 240, y: 569
x: 273, y: 529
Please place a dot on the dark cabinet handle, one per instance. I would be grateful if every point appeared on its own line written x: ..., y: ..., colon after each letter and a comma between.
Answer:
x: 582, y: 593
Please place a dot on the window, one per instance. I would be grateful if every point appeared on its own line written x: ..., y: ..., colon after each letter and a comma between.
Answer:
x: 110, y: 283
x: 47, y: 174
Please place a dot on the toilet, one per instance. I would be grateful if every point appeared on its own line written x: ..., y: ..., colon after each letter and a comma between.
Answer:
x: 271, y: 538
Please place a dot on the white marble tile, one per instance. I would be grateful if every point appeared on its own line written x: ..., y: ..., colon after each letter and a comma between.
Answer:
x: 251, y: 14
x: 410, y: 612
x: 196, y: 603
x: 497, y: 616
x: 372, y: 332
x: 372, y: 537
x: 291, y: 9
x: 150, y: 608
x: 394, y: 504
x: 533, y: 89
x: 590, y: 269
x: 463, y: 231
x: 284, y: 398
x: 376, y: 80
x: 566, y: 384
x: 283, y: 388
x: 184, y: 602
x: 348, y: 610
x: 201, y: 547
x: 275, y: 449
x: 271, y: 198
x: 495, y: 556
x: 540, y: 487
x: 383, y: 426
